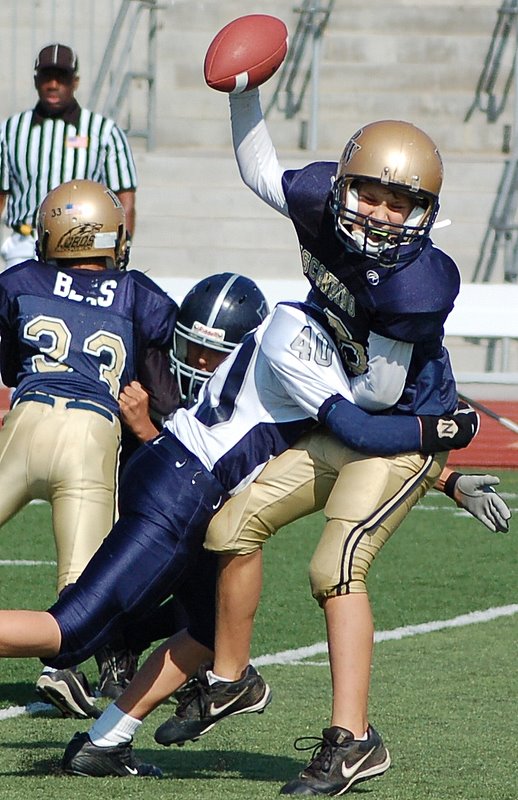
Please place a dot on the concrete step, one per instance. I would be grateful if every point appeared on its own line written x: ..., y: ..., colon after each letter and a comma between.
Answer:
x: 475, y: 138
x: 195, y: 216
x: 400, y: 60
x: 404, y: 18
x: 403, y: 61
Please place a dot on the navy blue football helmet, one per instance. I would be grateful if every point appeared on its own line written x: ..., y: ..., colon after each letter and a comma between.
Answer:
x: 217, y: 313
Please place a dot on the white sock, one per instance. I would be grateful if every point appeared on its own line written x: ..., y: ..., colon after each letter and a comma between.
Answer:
x: 213, y: 678
x: 362, y: 738
x: 48, y: 670
x: 113, y: 727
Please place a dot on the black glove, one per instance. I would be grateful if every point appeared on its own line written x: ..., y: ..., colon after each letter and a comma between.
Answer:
x: 449, y: 432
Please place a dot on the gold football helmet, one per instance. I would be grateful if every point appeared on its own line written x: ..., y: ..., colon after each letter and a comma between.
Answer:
x: 403, y: 158
x: 82, y: 219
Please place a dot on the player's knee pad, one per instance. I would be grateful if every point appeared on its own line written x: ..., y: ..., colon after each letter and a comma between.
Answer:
x: 368, y: 503
x: 341, y: 562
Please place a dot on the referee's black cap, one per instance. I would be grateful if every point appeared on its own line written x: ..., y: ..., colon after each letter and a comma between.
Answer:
x: 56, y: 56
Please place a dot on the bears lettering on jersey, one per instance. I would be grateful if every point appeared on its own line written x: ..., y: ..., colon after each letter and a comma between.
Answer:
x: 76, y: 333
x: 63, y: 287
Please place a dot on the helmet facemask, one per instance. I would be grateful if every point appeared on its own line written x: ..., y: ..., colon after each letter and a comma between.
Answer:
x: 379, y: 239
x: 190, y: 379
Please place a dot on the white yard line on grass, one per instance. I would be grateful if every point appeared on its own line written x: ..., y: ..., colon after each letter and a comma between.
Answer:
x: 300, y: 654
x: 22, y: 563
x: 473, y: 618
x: 32, y: 708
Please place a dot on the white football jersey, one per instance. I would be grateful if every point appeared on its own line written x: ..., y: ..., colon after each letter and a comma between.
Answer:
x: 263, y: 397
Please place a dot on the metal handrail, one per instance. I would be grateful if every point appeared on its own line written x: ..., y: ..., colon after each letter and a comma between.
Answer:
x: 120, y: 77
x: 499, y: 231
x: 299, y: 69
x: 502, y: 229
x: 493, y: 64
x: 109, y: 52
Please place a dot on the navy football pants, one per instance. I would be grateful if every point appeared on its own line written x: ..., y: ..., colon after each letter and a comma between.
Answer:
x: 167, y: 500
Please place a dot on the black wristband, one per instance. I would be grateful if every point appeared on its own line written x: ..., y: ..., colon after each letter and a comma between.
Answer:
x: 449, y: 432
x: 450, y: 483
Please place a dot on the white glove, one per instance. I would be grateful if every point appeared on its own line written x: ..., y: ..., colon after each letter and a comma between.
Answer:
x: 475, y: 494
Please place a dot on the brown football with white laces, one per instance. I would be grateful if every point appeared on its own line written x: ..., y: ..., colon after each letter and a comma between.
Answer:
x: 245, y: 53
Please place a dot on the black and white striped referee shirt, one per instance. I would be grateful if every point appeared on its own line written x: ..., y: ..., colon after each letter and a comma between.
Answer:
x: 36, y: 155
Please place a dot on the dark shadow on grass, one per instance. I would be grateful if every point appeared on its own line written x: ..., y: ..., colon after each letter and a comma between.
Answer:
x: 177, y: 765
x: 187, y: 764
x: 19, y: 694
x: 182, y: 765
x: 364, y: 788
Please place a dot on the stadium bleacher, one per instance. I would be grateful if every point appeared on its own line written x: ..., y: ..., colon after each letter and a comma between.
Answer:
x: 195, y: 216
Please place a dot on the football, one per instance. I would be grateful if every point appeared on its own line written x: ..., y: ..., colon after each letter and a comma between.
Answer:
x: 245, y: 53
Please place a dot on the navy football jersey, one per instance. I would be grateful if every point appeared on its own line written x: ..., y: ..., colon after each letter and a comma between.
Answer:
x: 78, y: 333
x: 407, y: 302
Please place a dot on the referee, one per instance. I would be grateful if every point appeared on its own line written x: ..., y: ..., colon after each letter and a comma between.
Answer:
x: 55, y: 142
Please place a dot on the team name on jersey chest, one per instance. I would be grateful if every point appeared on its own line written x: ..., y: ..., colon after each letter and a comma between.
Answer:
x: 327, y: 283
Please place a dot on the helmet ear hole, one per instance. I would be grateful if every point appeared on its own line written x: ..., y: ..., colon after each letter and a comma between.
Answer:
x: 41, y: 247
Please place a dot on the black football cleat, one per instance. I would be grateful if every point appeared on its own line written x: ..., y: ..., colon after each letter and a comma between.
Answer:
x: 116, y: 669
x: 69, y: 691
x: 201, y: 706
x: 84, y: 758
x: 339, y: 761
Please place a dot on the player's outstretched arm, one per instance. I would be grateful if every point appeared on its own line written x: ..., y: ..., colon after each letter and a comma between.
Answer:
x: 242, y: 56
x: 255, y: 153
x: 475, y: 494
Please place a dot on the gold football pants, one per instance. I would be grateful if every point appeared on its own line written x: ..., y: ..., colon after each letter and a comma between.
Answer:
x: 69, y: 457
x: 364, y: 498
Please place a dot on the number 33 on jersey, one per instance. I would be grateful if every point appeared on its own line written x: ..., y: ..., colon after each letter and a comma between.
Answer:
x: 75, y: 333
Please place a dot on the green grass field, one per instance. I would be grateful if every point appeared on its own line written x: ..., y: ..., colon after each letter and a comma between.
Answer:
x: 446, y: 702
